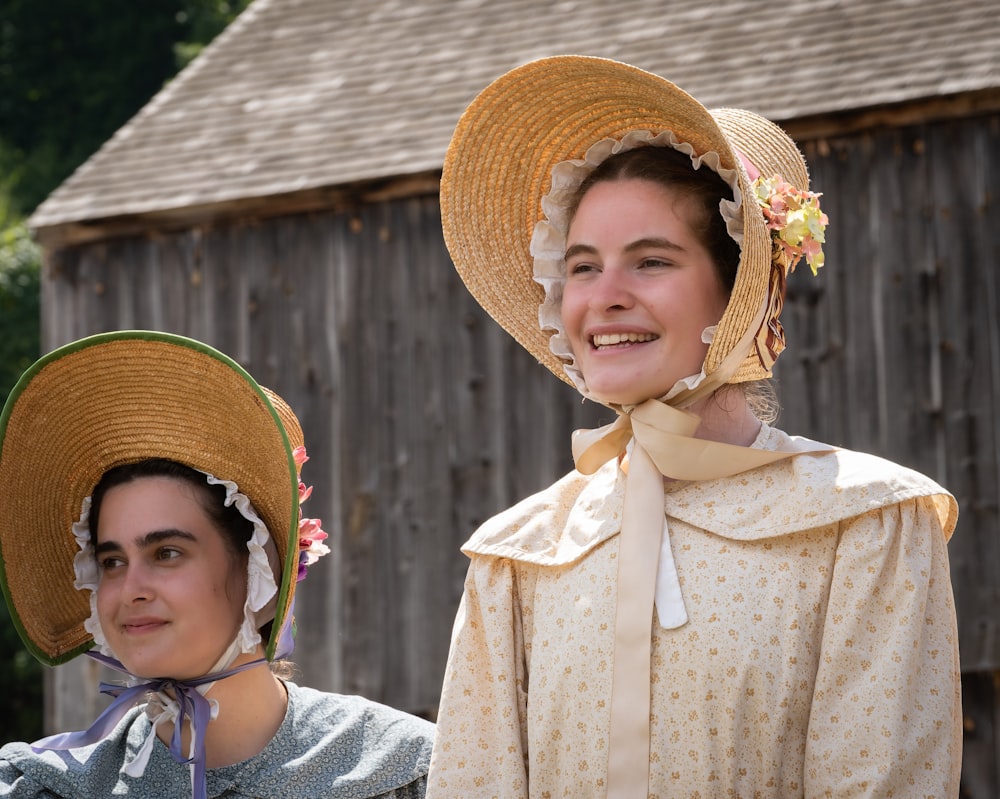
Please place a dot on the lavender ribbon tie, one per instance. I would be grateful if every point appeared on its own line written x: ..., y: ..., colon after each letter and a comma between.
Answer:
x: 192, y: 705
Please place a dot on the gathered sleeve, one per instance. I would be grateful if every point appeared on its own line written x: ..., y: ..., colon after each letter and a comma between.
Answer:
x: 481, y: 744
x: 886, y: 712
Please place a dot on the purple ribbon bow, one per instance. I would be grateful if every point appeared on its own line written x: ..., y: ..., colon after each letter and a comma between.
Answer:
x: 191, y: 703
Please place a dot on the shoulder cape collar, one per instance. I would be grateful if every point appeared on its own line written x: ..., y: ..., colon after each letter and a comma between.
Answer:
x: 564, y: 522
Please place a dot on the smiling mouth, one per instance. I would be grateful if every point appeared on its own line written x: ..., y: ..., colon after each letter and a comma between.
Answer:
x: 602, y: 340
x: 142, y: 627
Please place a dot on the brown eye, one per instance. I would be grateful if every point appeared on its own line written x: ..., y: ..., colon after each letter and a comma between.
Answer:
x: 580, y: 268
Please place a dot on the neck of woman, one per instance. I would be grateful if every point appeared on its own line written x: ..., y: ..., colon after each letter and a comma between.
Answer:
x: 726, y: 417
x: 252, y: 706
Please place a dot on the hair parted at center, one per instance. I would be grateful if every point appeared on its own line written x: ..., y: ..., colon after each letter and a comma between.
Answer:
x: 672, y: 170
x: 236, y: 529
x: 704, y: 190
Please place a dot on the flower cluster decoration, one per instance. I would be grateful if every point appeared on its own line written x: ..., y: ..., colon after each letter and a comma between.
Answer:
x: 797, y: 225
x: 311, y: 534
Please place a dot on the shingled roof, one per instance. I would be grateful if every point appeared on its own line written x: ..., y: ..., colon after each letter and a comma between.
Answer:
x: 304, y: 94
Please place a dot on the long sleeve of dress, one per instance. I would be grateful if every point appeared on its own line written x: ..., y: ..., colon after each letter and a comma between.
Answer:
x: 481, y: 747
x: 886, y: 712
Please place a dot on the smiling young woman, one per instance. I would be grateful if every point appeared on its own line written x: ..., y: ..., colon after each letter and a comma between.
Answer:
x: 640, y: 289
x: 707, y: 606
x: 160, y: 485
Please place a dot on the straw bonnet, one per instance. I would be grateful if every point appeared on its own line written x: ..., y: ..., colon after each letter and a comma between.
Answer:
x: 118, y: 398
x: 499, y: 165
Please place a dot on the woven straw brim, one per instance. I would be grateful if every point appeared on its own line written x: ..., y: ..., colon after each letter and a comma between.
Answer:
x: 114, y: 399
x: 499, y: 166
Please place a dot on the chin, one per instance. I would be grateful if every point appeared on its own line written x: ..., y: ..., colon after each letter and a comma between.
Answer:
x: 149, y: 667
x: 632, y: 392
x: 622, y: 397
x: 141, y: 670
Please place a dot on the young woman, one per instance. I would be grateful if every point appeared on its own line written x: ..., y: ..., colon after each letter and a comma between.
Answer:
x: 151, y: 511
x: 706, y: 607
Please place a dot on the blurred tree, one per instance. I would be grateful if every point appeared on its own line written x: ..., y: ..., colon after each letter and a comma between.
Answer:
x: 20, y: 673
x: 19, y: 305
x: 71, y: 73
x: 202, y: 21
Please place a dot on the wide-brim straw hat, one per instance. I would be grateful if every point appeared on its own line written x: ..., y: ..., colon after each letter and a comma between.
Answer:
x: 114, y: 399
x: 499, y: 166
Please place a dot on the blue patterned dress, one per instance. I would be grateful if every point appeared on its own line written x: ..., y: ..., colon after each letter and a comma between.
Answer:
x: 329, y: 746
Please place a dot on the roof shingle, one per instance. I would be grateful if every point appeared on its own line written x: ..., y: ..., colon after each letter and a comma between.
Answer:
x: 303, y: 94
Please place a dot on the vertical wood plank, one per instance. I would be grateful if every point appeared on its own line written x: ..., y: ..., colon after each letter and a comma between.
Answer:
x: 424, y: 418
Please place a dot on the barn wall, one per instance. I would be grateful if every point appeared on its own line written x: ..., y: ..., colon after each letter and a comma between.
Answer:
x: 423, y: 418
x: 895, y: 349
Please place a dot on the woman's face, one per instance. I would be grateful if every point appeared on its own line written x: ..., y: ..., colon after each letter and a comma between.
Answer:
x: 640, y: 290
x: 171, y: 594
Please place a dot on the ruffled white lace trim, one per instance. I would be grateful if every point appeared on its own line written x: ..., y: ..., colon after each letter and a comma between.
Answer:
x: 548, y: 241
x: 262, y: 566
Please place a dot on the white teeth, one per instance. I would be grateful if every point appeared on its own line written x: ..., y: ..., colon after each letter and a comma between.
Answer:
x: 610, y: 339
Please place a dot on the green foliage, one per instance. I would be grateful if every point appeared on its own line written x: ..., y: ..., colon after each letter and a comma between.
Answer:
x: 74, y: 71
x: 71, y: 73
x: 19, y: 305
x: 20, y: 673
x: 20, y: 686
x: 204, y: 20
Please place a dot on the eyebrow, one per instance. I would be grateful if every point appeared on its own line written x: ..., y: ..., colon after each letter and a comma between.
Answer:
x: 150, y: 538
x: 652, y: 242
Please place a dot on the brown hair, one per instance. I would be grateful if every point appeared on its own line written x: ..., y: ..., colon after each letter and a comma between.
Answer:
x: 235, y: 528
x: 703, y: 188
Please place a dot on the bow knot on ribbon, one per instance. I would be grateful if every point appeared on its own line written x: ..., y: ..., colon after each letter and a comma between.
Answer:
x: 659, y: 428
x: 171, y: 700
x: 663, y: 444
x: 667, y: 436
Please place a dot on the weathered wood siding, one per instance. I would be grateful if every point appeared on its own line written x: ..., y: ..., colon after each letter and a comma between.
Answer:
x: 895, y: 349
x: 422, y: 418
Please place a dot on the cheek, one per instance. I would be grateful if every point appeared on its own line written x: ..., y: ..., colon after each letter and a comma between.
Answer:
x: 570, y: 311
x: 105, y: 603
x: 707, y: 308
x: 235, y: 588
x: 717, y: 294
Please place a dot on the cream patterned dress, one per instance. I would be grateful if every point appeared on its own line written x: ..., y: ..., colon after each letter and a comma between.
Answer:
x: 820, y: 658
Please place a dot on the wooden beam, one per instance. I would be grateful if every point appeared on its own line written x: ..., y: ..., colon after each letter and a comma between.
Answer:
x: 338, y: 198
x: 248, y: 209
x: 934, y: 109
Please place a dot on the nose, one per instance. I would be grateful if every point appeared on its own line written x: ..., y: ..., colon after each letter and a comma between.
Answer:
x: 611, y: 290
x: 137, y: 585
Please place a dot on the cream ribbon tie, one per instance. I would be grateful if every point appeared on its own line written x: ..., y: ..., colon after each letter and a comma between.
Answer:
x: 663, y: 446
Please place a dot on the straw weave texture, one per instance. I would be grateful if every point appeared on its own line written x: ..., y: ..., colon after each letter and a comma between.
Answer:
x: 112, y: 400
x: 499, y: 165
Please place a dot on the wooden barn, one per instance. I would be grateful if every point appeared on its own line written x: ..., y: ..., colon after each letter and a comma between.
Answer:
x: 278, y: 199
